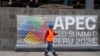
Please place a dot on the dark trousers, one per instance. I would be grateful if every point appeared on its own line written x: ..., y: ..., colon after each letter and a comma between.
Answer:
x: 50, y: 48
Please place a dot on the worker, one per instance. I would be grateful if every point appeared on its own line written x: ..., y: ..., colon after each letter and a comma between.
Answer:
x: 49, y: 39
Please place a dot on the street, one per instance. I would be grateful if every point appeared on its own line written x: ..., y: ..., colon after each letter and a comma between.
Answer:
x: 13, y: 53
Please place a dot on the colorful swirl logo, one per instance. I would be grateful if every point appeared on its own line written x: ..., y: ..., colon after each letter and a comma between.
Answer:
x: 33, y: 30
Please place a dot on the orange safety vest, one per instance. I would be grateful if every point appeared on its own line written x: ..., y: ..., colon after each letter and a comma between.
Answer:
x: 50, y: 36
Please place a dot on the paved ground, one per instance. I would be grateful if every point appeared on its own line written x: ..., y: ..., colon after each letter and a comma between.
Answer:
x: 12, y: 53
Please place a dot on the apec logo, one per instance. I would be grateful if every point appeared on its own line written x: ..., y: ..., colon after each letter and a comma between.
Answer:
x: 33, y: 30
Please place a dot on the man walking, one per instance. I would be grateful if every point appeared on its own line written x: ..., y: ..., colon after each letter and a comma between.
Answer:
x: 49, y: 39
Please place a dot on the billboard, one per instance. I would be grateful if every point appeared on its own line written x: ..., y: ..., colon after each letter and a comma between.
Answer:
x: 74, y: 31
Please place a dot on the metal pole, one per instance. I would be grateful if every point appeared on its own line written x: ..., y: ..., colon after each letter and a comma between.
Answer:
x: 89, y: 4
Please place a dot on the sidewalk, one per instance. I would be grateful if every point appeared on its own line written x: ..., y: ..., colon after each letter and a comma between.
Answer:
x: 12, y: 53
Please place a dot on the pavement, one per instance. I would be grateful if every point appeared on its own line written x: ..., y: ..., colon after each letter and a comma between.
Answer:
x: 13, y: 53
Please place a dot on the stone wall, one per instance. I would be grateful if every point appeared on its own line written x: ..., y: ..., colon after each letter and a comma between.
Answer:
x: 8, y: 21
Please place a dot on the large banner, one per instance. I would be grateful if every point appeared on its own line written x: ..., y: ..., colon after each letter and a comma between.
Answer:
x: 73, y: 30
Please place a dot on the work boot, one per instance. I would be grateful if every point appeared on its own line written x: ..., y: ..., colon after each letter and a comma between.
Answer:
x: 55, y: 54
x: 46, y: 54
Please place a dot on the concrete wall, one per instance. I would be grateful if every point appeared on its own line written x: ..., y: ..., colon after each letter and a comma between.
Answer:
x: 8, y: 21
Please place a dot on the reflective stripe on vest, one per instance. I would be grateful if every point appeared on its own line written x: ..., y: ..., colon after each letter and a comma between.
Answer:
x: 50, y: 36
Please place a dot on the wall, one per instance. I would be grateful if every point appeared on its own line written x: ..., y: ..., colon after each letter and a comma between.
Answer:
x: 8, y: 21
